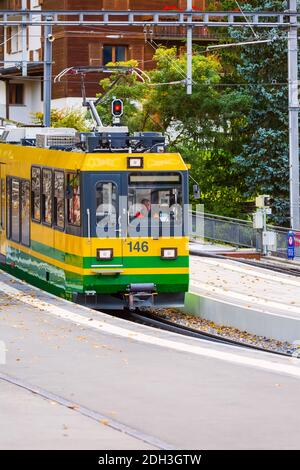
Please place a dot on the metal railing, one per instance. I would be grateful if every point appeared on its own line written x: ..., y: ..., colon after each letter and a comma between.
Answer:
x: 223, y: 229
x: 237, y: 232
x: 179, y: 32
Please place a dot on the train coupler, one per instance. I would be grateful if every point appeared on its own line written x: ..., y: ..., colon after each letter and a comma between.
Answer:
x: 140, y: 296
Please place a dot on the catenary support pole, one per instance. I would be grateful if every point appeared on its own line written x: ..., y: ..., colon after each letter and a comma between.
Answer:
x: 293, y: 118
x: 189, y: 51
x: 47, y: 73
x: 24, y: 40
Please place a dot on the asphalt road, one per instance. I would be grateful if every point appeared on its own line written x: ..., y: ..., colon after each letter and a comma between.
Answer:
x: 183, y: 392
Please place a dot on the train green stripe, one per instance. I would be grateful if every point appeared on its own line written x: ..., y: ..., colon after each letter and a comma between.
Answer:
x: 56, y: 279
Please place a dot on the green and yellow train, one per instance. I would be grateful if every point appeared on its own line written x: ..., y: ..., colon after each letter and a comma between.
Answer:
x: 95, y: 223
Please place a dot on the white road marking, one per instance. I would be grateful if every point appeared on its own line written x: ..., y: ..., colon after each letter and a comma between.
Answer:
x: 250, y: 271
x: 252, y: 299
x: 276, y: 365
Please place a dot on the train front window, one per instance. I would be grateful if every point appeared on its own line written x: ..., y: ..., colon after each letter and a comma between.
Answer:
x: 155, y: 197
x: 106, y: 210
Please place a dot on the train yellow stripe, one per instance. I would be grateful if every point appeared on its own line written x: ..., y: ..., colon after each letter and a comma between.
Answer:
x: 85, y: 247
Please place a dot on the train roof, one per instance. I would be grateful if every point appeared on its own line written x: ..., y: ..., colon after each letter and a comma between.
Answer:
x: 106, y: 150
x: 20, y: 156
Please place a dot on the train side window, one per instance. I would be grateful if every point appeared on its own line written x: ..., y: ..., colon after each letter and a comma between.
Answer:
x: 25, y: 213
x: 73, y: 199
x: 2, y: 203
x: 15, y: 210
x: 47, y: 196
x: 8, y: 207
x: 59, y: 199
x: 36, y: 194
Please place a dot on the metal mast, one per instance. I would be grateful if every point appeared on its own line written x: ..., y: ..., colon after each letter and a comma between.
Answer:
x: 24, y: 40
x: 293, y: 117
x: 48, y: 39
x: 189, y: 50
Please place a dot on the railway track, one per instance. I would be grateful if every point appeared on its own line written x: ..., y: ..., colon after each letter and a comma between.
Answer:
x: 150, y: 319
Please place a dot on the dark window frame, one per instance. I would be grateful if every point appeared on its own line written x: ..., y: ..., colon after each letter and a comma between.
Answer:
x: 43, y: 213
x: 2, y: 203
x: 159, y: 186
x: 9, y: 234
x: 55, y: 226
x: 14, y: 94
x: 16, y: 240
x: 8, y: 207
x: 38, y: 221
x: 23, y: 181
x: 114, y: 53
x: 70, y: 224
x: 116, y: 187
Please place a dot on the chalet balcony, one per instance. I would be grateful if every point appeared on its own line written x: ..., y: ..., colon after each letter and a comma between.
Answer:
x: 174, y: 33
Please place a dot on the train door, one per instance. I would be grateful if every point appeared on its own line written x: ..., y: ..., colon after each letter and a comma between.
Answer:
x: 2, y: 209
x: 104, y: 204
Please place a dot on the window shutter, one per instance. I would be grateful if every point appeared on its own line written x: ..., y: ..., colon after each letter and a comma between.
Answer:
x: 95, y: 54
x: 136, y: 52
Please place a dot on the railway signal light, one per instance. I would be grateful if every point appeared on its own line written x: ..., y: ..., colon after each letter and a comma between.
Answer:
x: 117, y: 108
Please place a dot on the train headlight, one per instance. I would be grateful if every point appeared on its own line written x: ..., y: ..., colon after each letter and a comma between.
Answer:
x: 105, y: 253
x: 135, y: 162
x: 168, y: 253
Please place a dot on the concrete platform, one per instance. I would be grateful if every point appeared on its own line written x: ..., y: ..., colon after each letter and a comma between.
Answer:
x: 154, y: 389
x: 226, y: 250
x: 253, y: 299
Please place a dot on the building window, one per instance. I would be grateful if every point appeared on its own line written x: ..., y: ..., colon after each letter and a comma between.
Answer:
x: 114, y: 54
x: 16, y: 94
x: 73, y: 199
x: 59, y: 199
x: 25, y: 213
x: 47, y: 197
x: 15, y: 210
x: 36, y: 194
x: 36, y: 3
x: 14, y: 39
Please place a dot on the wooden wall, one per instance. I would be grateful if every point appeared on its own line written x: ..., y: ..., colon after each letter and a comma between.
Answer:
x: 83, y: 46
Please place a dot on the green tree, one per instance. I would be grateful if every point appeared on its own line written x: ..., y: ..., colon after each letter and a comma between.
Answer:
x: 204, y: 127
x: 67, y: 117
x: 262, y: 70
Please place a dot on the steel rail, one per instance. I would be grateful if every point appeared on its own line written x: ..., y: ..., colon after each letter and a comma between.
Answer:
x: 156, y: 321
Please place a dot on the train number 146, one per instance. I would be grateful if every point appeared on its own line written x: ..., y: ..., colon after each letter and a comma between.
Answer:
x: 138, y: 246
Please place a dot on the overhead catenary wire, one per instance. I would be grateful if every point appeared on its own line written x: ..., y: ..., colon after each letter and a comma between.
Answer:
x: 235, y: 44
x: 95, y: 82
x: 246, y: 19
x: 179, y: 69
